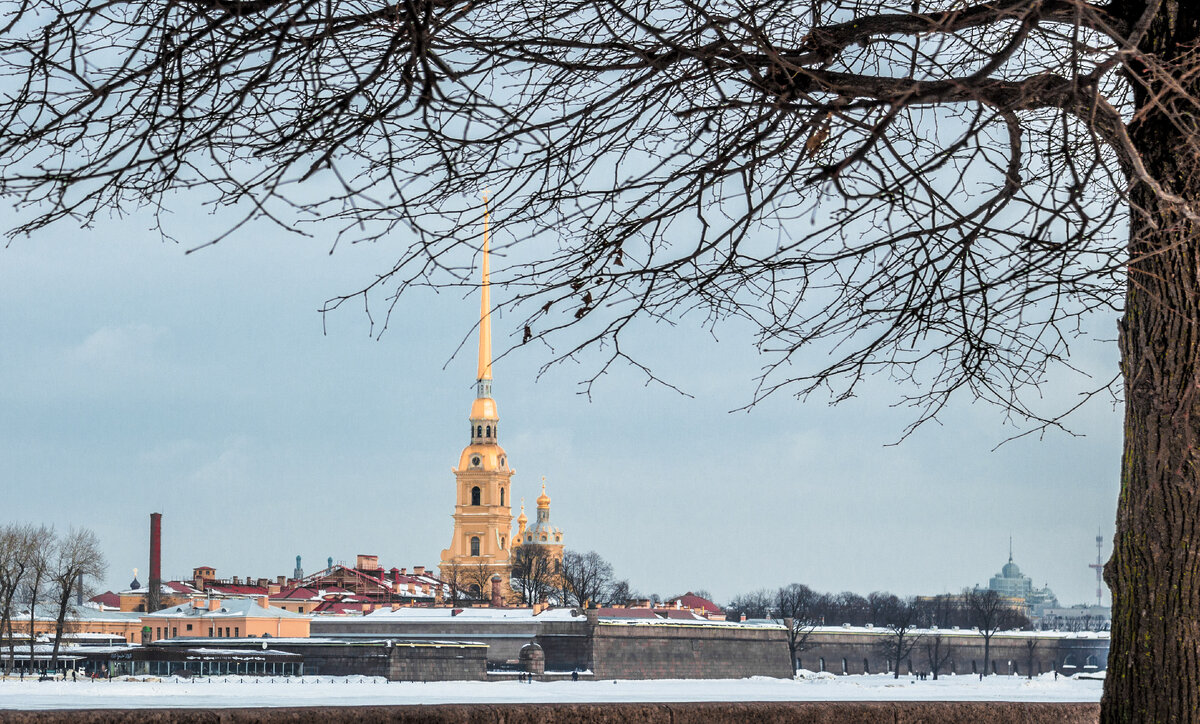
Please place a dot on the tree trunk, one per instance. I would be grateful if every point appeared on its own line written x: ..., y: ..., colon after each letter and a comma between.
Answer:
x: 987, y: 653
x: 64, y: 602
x: 1154, y: 572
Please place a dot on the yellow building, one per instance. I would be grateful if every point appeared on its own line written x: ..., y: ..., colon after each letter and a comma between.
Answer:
x: 482, y: 536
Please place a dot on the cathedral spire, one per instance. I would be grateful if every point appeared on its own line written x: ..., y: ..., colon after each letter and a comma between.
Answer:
x: 485, y: 315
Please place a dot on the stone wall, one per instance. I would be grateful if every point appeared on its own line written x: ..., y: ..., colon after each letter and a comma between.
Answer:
x: 665, y: 650
x: 857, y: 651
x: 394, y: 660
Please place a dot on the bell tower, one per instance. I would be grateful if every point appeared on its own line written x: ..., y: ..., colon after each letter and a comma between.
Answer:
x: 482, y: 539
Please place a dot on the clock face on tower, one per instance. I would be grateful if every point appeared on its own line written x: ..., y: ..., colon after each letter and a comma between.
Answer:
x: 475, y: 461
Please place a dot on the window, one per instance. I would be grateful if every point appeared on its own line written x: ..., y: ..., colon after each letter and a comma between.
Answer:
x: 479, y: 431
x: 300, y: 609
x: 475, y: 493
x: 475, y: 543
x: 489, y: 430
x: 501, y: 496
x: 189, y: 627
x: 866, y: 666
x: 235, y: 632
x: 821, y: 664
x: 174, y: 632
x: 844, y: 668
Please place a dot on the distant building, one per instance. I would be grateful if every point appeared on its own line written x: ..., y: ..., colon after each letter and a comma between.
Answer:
x: 1012, y: 584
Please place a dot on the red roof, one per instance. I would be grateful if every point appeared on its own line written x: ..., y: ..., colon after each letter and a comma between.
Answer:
x: 692, y: 601
x: 108, y: 598
x: 237, y: 590
x: 682, y: 615
x: 305, y: 593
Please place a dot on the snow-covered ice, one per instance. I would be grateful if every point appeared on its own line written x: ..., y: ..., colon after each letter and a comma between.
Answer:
x: 236, y: 691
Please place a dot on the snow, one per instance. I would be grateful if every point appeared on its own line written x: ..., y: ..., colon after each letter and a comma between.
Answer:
x: 234, y: 691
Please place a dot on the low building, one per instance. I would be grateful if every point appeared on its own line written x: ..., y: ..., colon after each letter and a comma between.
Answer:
x: 224, y: 618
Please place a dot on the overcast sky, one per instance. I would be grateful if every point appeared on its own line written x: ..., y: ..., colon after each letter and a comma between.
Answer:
x: 206, y: 386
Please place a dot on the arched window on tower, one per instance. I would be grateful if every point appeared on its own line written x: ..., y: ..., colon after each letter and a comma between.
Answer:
x: 474, y: 545
x: 475, y: 500
x: 501, y: 496
x: 479, y: 431
x: 489, y: 431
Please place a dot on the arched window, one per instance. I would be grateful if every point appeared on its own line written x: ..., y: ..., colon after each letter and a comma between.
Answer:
x: 489, y: 430
x: 475, y: 544
x: 479, y: 431
x: 821, y: 664
x: 475, y: 501
x: 472, y: 432
x: 1070, y: 661
x: 1091, y: 661
x: 844, y: 667
x: 501, y: 496
x: 866, y: 666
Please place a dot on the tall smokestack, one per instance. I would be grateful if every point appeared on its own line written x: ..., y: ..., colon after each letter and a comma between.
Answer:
x: 155, y: 585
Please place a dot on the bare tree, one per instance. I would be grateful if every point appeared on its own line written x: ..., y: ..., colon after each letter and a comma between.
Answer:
x: 76, y: 559
x: 620, y: 593
x: 937, y: 190
x: 534, y: 573
x: 796, y: 604
x: 41, y: 553
x: 452, y: 577
x: 756, y: 604
x: 477, y: 579
x: 937, y: 652
x: 585, y: 577
x: 901, y: 622
x: 1031, y: 643
x: 990, y: 613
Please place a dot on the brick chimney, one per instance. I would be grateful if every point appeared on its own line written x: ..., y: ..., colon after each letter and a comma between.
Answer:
x: 419, y: 570
x: 154, y: 588
x: 497, y: 599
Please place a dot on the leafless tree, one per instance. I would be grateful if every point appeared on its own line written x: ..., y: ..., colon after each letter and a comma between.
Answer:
x: 989, y: 613
x: 77, y: 559
x: 534, y: 573
x: 585, y: 577
x: 40, y: 557
x: 620, y: 593
x: 935, y: 190
x: 938, y: 651
x: 16, y: 545
x: 452, y: 577
x: 755, y: 604
x: 901, y: 621
x: 1031, y: 643
x: 477, y: 578
x: 796, y: 604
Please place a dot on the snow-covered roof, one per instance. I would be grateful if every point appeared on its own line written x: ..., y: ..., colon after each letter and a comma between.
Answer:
x: 225, y: 608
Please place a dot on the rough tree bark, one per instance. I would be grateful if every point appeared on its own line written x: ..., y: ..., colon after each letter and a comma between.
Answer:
x: 1154, y: 572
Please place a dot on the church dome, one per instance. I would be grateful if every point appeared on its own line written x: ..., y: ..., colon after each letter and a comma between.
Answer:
x: 521, y: 519
x: 543, y: 500
x: 1010, y: 570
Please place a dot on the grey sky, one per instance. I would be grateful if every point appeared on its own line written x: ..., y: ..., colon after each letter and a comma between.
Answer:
x: 136, y: 378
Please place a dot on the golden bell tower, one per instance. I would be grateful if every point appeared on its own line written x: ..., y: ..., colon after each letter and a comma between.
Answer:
x: 483, y: 512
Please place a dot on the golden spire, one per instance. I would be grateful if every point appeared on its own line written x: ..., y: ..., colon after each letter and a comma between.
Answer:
x: 522, y: 519
x: 543, y: 500
x: 485, y: 307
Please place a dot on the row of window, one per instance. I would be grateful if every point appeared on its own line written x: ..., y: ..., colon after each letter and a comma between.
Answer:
x: 161, y: 631
x: 478, y: 431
